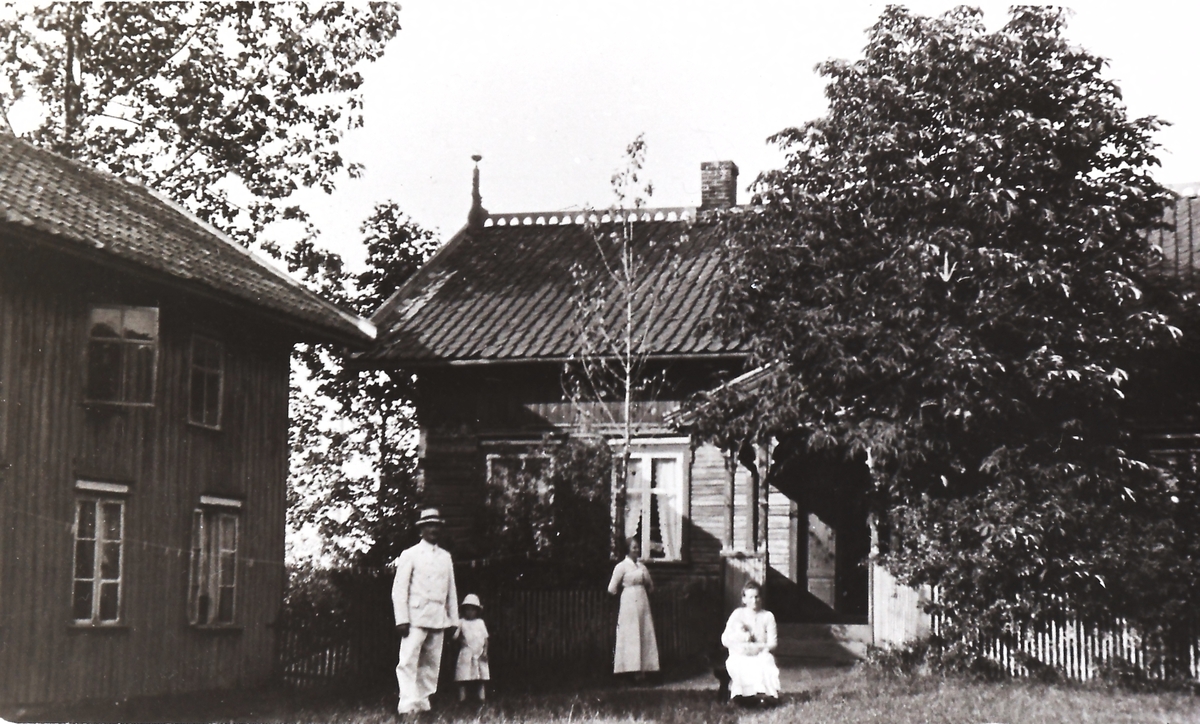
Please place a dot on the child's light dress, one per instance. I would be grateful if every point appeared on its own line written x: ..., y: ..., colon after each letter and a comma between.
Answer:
x: 472, y: 654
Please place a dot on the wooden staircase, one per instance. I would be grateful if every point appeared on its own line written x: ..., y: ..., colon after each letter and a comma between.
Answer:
x: 822, y: 644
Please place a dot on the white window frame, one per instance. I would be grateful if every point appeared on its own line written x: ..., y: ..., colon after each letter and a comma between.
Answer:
x: 206, y: 556
x: 126, y: 345
x: 218, y: 371
x: 100, y: 496
x: 644, y: 452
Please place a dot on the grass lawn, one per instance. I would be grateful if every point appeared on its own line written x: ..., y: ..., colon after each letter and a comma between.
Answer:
x: 824, y: 696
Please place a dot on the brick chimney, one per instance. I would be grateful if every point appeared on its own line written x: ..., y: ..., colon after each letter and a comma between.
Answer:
x: 718, y: 184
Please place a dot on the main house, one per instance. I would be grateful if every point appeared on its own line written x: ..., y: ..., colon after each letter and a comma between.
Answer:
x: 492, y: 322
x: 144, y: 370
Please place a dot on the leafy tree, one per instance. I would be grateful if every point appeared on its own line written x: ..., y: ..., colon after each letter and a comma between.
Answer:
x: 951, y: 275
x: 228, y: 108
x: 354, y: 434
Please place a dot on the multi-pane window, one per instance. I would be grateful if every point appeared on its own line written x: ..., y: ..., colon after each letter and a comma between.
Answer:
x: 99, y: 556
x: 212, y: 591
x: 207, y: 378
x: 654, y: 503
x: 121, y: 356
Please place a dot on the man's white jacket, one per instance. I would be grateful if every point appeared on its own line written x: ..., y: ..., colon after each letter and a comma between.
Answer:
x: 423, y: 593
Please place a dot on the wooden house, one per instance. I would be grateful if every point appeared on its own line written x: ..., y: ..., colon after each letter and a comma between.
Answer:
x: 491, y: 322
x: 144, y: 371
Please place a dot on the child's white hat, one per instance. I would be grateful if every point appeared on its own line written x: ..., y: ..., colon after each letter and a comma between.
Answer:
x: 472, y: 600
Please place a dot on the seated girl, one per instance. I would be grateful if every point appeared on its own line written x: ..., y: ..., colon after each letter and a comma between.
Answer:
x: 750, y: 636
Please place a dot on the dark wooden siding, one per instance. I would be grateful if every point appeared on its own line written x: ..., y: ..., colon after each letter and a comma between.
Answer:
x: 53, y: 440
x: 453, y: 473
x: 464, y: 410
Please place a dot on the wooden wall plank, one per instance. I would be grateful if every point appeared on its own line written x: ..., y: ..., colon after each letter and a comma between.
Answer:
x: 53, y: 439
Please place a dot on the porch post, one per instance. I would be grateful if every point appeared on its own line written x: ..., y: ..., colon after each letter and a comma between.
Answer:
x: 731, y: 464
x: 751, y: 538
x: 763, y: 462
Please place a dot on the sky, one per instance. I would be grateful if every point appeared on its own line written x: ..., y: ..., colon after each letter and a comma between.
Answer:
x: 550, y: 94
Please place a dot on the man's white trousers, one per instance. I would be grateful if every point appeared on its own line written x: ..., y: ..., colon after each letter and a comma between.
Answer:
x: 417, y: 668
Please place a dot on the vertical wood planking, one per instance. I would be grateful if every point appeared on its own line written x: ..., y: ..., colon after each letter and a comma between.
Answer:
x: 49, y: 439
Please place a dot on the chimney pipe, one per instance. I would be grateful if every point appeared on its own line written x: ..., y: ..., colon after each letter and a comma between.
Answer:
x: 718, y: 184
x: 477, y: 215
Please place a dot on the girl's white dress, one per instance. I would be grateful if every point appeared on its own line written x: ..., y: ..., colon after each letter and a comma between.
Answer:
x: 751, y: 674
x: 637, y: 648
x: 472, y: 653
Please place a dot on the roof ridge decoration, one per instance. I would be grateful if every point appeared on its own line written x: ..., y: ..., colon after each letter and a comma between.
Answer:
x: 592, y: 216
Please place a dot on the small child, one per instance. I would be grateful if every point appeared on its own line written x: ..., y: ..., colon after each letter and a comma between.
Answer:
x: 472, y: 668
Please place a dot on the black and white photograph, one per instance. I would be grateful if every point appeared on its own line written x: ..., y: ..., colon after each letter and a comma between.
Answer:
x: 602, y: 361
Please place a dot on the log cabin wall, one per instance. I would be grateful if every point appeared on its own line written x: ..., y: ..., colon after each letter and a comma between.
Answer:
x: 50, y: 439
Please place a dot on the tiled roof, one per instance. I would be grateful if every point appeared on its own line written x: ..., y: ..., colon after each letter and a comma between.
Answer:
x: 1181, y: 246
x: 511, y: 290
x: 508, y: 291
x: 85, y: 209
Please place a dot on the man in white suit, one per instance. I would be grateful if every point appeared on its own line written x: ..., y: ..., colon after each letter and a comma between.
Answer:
x: 425, y: 602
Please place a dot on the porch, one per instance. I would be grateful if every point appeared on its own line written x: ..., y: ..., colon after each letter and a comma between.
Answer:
x: 797, y: 523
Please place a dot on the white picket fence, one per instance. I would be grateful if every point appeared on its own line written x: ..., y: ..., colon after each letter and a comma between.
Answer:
x: 1082, y: 653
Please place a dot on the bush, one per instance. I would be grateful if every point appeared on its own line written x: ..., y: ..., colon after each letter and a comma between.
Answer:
x: 933, y: 655
x: 314, y: 600
x: 547, y: 522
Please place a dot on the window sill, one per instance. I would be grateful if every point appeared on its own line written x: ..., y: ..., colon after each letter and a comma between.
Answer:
x: 112, y: 405
x: 108, y: 627
x: 652, y: 563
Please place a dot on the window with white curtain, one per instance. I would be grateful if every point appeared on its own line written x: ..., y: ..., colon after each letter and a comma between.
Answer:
x: 654, y: 502
x: 212, y: 585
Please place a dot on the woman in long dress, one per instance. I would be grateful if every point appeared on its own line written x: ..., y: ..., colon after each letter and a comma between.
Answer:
x: 751, y: 636
x: 636, y: 650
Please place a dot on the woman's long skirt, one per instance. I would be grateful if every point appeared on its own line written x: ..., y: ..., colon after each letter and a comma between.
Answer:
x: 753, y: 675
x: 637, y: 649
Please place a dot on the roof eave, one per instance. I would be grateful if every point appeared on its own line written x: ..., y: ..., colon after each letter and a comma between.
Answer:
x: 358, y: 334
x: 367, y: 362
x: 416, y: 278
